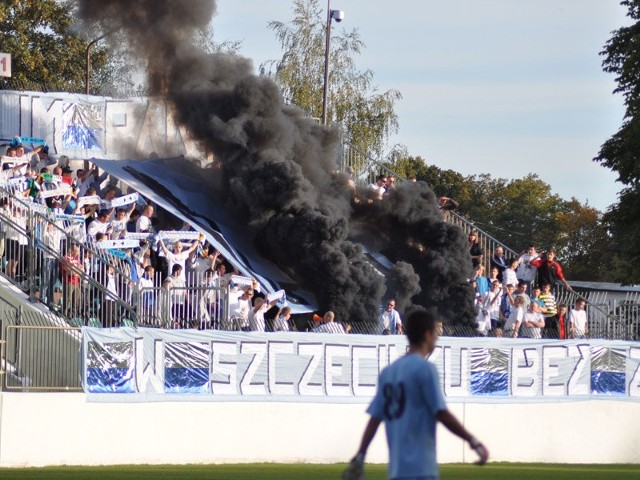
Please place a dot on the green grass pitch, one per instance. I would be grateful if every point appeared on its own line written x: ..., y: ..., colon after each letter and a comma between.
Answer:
x: 272, y: 471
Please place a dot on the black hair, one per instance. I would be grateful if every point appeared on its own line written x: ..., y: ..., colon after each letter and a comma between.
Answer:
x: 417, y: 324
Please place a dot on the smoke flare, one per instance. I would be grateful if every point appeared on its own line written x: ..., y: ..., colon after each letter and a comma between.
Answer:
x: 278, y: 174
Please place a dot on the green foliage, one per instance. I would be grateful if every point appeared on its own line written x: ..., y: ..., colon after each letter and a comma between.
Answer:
x: 621, y: 153
x: 522, y: 211
x: 366, y: 116
x: 45, y: 52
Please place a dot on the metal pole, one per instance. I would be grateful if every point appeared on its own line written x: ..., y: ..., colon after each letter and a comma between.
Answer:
x: 326, y: 64
x: 87, y: 71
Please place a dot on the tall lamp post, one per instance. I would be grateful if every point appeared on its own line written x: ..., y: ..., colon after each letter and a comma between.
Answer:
x: 87, y: 71
x: 338, y: 16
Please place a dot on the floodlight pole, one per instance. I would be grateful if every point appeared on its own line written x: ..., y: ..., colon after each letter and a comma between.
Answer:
x: 87, y: 71
x: 331, y: 14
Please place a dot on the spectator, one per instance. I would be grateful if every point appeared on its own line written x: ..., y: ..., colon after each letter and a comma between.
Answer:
x: 492, y: 304
x: 110, y: 297
x: 526, y: 272
x: 143, y: 224
x: 256, y: 314
x: 100, y: 225
x: 85, y: 179
x: 483, y: 318
x: 209, y: 302
x: 133, y: 221
x: 498, y: 261
x: 516, y: 317
x: 391, y: 183
x: 22, y: 155
x: 493, y: 276
x: 389, y: 318
x: 281, y: 320
x: 475, y: 250
x: 549, y: 270
x: 562, y: 321
x: 51, y: 241
x: 66, y: 176
x: 506, y: 304
x: 535, y: 297
x: 179, y: 297
x: 533, y: 322
x: 378, y: 188
x: 16, y: 242
x: 199, y: 261
x: 119, y: 223
x: 178, y: 256
x: 521, y: 291
x: 509, y: 273
x: 550, y: 310
x: 147, y: 295
x: 329, y: 324
x: 71, y: 270
x: 482, y: 282
x: 240, y: 313
x: 578, y: 321
x: 446, y: 205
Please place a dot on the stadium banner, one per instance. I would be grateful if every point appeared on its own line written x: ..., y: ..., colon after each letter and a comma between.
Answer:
x: 143, y: 364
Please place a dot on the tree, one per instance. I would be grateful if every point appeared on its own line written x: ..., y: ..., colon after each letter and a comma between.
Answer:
x: 46, y: 54
x: 584, y: 243
x: 621, y: 153
x: 366, y: 116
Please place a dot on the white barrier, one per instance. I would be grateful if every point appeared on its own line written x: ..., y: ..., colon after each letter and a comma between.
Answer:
x: 38, y: 429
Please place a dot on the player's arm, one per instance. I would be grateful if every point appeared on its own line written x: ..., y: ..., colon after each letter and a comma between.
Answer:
x: 455, y: 427
x: 355, y: 470
x: 369, y: 432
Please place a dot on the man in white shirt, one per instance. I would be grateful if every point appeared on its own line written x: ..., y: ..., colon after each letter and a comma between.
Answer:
x: 143, y: 224
x: 281, y: 321
x: 578, y: 322
x: 389, y: 319
x: 379, y: 186
x: 533, y: 322
x: 329, y: 325
x: 527, y: 272
x: 240, y: 312
x: 99, y: 225
x: 178, y: 256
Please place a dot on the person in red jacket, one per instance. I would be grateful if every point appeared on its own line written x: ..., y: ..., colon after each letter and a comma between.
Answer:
x: 549, y: 271
x: 562, y: 321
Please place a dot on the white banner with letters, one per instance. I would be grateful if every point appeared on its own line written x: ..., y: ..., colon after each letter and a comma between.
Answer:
x: 143, y: 364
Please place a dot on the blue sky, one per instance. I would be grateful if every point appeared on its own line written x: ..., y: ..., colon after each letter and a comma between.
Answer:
x: 506, y: 87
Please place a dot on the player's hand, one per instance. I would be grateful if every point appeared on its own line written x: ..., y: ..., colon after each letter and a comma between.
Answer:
x: 480, y: 449
x: 355, y: 470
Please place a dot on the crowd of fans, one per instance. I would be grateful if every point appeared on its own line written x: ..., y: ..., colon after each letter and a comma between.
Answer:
x: 105, y: 257
x: 518, y: 300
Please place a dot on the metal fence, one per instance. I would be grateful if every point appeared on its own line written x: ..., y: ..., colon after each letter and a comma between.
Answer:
x: 38, y: 352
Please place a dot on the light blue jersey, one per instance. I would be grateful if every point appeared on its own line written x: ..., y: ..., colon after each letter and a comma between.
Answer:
x: 408, y: 398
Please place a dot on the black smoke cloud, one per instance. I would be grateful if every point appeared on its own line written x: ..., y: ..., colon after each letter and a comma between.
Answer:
x: 278, y: 174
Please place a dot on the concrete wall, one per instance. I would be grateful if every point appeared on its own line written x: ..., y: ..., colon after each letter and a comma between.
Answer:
x: 38, y: 429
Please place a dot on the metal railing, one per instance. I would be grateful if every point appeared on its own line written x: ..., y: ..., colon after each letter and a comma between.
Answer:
x: 365, y: 168
x: 184, y: 307
x: 38, y: 351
